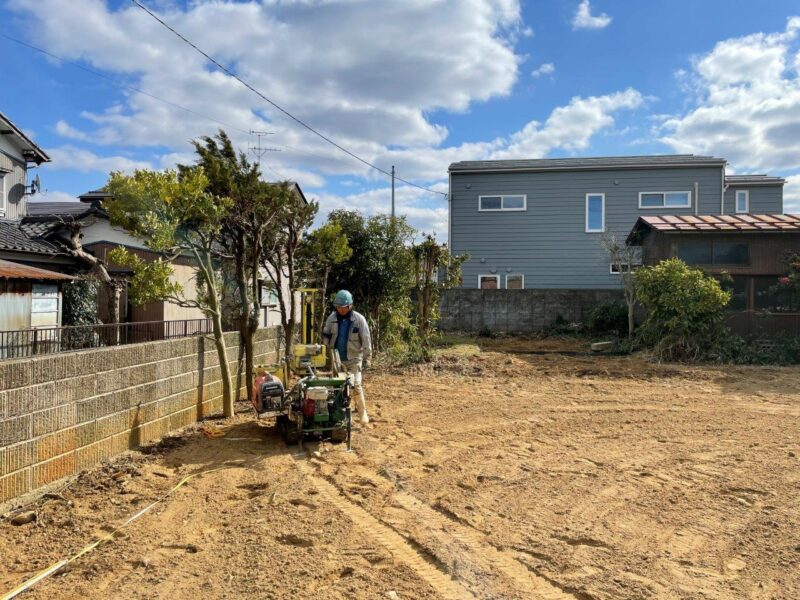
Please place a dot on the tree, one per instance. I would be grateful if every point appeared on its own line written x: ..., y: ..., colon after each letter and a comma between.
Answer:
x: 252, y: 212
x: 319, y: 252
x: 625, y: 259
x: 435, y: 270
x: 684, y: 309
x: 175, y: 215
x: 380, y: 272
x: 280, y: 242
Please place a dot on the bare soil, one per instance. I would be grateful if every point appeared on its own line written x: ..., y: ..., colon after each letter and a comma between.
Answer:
x: 504, y: 469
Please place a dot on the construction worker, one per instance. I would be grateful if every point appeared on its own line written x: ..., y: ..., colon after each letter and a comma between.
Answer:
x: 347, y: 331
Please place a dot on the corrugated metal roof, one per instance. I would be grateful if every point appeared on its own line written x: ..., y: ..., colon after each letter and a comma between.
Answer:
x: 12, y: 270
x: 599, y: 162
x: 758, y: 179
x: 725, y: 223
x: 12, y: 237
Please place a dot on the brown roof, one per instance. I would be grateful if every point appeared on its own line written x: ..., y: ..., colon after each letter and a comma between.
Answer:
x: 12, y: 270
x: 740, y: 222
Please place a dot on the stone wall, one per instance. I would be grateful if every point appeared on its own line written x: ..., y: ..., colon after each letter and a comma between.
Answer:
x: 63, y: 413
x: 517, y: 311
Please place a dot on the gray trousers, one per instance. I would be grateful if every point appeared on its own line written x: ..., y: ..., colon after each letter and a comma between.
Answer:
x: 353, y: 367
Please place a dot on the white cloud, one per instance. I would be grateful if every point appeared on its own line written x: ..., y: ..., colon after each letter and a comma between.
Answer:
x: 425, y: 215
x: 584, y: 19
x: 748, y: 107
x: 791, y: 195
x: 84, y: 161
x: 368, y: 74
x: 545, y: 69
x: 569, y: 127
x: 52, y: 196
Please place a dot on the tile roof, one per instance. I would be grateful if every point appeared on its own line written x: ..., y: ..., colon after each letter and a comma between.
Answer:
x: 599, y: 162
x: 12, y: 237
x: 759, y: 178
x: 12, y: 270
x: 58, y: 209
x: 725, y: 223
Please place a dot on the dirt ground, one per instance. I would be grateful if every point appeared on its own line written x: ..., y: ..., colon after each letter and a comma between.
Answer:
x: 505, y: 469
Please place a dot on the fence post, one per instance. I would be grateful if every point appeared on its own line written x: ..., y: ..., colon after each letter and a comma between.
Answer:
x: 35, y: 341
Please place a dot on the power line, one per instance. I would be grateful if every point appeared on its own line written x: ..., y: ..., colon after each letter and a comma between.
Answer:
x: 297, y: 120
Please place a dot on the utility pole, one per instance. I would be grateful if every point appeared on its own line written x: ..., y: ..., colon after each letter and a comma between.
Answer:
x: 257, y: 150
x: 392, y: 192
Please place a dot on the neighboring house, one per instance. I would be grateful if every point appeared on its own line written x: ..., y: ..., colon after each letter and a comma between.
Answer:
x: 537, y: 224
x: 751, y: 248
x: 29, y: 297
x: 17, y: 154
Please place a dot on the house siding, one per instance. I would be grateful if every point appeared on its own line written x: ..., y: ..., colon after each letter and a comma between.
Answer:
x: 763, y: 198
x: 15, y: 180
x: 547, y: 242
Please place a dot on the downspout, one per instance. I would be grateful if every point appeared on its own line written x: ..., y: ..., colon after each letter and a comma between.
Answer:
x: 696, y: 198
x: 723, y: 187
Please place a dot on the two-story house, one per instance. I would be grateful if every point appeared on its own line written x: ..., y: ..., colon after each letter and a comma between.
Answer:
x: 537, y: 224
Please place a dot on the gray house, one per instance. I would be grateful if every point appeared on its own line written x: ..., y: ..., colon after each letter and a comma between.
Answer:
x: 536, y: 224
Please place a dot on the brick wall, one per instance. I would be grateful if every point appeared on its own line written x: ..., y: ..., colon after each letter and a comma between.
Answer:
x: 63, y: 413
x: 517, y: 311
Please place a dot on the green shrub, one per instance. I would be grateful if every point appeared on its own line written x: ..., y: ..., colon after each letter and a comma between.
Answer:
x: 608, y: 318
x: 684, y: 310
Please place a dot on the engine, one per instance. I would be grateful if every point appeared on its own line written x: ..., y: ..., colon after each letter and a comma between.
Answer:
x: 269, y: 394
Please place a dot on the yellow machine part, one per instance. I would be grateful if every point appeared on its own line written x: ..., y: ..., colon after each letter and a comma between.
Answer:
x: 314, y: 355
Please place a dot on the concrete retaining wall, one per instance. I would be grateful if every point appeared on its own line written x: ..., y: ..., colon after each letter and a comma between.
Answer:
x: 63, y: 413
x: 517, y: 311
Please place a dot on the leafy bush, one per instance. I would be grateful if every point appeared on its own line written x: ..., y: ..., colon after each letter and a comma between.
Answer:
x: 79, y: 301
x: 608, y: 318
x: 684, y: 310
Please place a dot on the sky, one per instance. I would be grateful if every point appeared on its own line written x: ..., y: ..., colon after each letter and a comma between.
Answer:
x: 417, y: 84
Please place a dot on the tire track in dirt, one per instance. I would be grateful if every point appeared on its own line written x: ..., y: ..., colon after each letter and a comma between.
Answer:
x: 398, y: 546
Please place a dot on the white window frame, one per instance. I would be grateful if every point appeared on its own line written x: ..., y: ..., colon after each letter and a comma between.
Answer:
x: 515, y: 275
x: 603, y: 211
x: 746, y: 201
x: 3, y: 199
x: 611, y: 270
x: 501, y: 209
x: 664, y: 194
x: 496, y: 277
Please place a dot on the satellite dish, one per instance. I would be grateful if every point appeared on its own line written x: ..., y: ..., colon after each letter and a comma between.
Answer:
x: 36, y: 184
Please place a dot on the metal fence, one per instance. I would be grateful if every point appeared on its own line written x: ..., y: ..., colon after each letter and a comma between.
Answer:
x: 50, y: 340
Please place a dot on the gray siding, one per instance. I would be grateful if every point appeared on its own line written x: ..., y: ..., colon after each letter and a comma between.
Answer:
x: 763, y: 198
x: 547, y: 243
x: 16, y: 200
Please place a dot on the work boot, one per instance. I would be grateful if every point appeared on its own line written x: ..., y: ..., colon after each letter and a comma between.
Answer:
x: 364, y: 418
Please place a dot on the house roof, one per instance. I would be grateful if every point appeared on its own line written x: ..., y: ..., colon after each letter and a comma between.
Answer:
x: 93, y: 195
x: 755, y: 179
x: 61, y: 210
x: 12, y: 270
x: 739, y: 223
x: 13, y: 237
x: 589, y: 163
x: 33, y: 152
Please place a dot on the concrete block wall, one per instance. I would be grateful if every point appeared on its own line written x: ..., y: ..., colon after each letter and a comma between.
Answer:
x: 63, y: 413
x: 517, y: 311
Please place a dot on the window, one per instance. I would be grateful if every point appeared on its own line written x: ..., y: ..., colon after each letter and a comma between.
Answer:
x: 665, y: 199
x: 731, y: 254
x: 44, y: 305
x: 769, y: 296
x: 511, y: 202
x: 742, y: 201
x: 595, y: 213
x: 2, y: 194
x: 515, y: 282
x: 625, y: 263
x: 737, y: 286
x: 716, y: 253
x: 489, y: 282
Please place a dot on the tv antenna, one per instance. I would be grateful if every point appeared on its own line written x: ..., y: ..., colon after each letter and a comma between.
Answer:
x: 257, y: 150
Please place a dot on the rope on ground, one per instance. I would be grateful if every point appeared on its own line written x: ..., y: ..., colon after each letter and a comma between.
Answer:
x: 44, y: 574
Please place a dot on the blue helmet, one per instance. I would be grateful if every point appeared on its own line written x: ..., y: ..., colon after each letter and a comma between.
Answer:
x: 343, y: 298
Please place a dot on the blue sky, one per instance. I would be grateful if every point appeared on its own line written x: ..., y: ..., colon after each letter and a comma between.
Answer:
x: 418, y: 84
